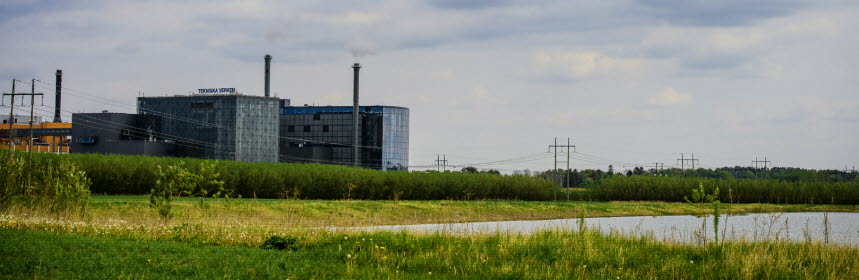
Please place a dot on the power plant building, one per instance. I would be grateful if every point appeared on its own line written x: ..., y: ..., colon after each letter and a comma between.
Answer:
x: 224, y: 127
x: 118, y: 133
x: 323, y: 134
x: 221, y: 124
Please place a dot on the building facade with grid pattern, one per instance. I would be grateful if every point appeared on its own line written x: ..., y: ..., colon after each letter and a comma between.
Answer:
x: 223, y: 127
x: 323, y: 134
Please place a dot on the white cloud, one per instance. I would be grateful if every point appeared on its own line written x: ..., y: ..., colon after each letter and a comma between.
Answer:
x: 480, y: 92
x: 442, y: 75
x: 361, y: 18
x: 580, y: 64
x: 670, y: 96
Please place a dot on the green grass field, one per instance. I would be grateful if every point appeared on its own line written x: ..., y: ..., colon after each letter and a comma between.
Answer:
x: 122, y: 237
x: 313, y: 213
x: 250, y: 221
x: 547, y: 255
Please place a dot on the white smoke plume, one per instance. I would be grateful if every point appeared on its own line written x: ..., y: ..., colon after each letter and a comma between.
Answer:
x: 362, y: 48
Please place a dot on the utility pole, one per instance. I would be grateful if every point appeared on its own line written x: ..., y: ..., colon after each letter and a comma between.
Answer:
x: 441, y: 161
x: 554, y: 171
x: 683, y: 160
x: 32, y: 95
x: 657, y: 167
x: 11, y: 118
x: 765, y: 162
x: 30, y: 142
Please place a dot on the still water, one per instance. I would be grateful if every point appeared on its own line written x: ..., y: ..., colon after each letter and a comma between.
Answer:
x: 842, y: 228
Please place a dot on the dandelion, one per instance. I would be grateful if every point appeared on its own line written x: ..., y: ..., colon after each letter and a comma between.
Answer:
x: 348, y: 256
x: 691, y: 261
x: 430, y: 273
x: 384, y: 257
x: 383, y: 247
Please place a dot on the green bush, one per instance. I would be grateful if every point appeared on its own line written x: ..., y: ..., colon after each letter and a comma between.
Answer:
x: 54, y: 184
x: 170, y: 181
x: 118, y: 174
x: 674, y: 189
x: 288, y: 243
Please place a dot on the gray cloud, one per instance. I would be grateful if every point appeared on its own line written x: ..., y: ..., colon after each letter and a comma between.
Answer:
x: 469, y: 4
x: 607, y: 60
x: 720, y: 13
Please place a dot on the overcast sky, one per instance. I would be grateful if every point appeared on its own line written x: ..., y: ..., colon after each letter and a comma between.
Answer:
x: 629, y: 81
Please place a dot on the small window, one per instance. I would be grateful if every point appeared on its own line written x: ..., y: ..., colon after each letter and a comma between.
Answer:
x: 306, y: 128
x: 290, y: 128
x: 317, y: 117
x: 203, y: 105
x: 324, y: 128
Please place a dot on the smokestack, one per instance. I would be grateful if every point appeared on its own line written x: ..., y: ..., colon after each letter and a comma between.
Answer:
x: 355, y: 131
x: 58, y: 99
x: 267, y: 74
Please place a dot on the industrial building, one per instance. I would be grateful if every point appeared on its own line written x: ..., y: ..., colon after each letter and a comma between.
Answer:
x: 47, y: 136
x: 18, y: 133
x: 323, y: 134
x: 118, y: 133
x: 225, y: 125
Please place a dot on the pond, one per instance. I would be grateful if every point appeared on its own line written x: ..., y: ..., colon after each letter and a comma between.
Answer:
x: 836, y: 227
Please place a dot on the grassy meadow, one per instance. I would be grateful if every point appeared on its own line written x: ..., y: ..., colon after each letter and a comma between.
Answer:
x: 130, y: 175
x: 244, y: 221
x: 56, y: 229
x: 385, y: 255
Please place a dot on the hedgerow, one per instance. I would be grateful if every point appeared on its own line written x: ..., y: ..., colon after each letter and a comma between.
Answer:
x: 120, y: 174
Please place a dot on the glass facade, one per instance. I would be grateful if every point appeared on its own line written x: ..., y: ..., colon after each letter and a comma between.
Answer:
x: 324, y: 135
x: 228, y: 127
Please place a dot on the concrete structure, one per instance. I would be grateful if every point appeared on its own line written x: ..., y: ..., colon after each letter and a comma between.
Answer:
x: 323, y: 134
x: 20, y: 119
x: 118, y: 133
x: 224, y: 127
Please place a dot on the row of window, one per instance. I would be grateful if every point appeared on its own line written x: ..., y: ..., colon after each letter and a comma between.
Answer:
x: 306, y: 128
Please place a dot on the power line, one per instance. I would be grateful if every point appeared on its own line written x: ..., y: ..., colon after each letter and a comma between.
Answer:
x: 765, y: 162
x: 441, y: 162
x: 683, y: 161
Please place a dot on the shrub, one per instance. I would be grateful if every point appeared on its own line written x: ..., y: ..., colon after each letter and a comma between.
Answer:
x: 674, y: 189
x: 281, y: 243
x: 55, y: 185
x: 118, y: 174
x: 170, y: 181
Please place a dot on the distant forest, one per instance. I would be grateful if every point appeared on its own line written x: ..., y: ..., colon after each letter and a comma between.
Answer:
x: 589, y: 177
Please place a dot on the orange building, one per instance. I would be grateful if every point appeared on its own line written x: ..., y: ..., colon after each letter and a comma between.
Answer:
x: 47, y: 137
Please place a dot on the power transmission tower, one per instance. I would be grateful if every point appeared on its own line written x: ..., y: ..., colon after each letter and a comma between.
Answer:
x: 849, y: 170
x: 683, y: 161
x: 441, y: 161
x: 765, y: 162
x: 658, y: 166
x: 554, y: 171
x: 32, y: 95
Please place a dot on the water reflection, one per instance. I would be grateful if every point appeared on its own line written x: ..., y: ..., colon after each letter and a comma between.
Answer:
x: 836, y: 227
